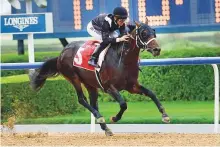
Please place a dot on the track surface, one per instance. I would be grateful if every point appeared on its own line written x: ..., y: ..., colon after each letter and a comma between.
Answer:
x: 119, y: 139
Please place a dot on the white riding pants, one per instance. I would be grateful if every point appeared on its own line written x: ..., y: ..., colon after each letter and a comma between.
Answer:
x: 97, y: 34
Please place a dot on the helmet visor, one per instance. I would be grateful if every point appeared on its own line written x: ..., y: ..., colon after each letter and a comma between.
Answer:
x: 121, y: 16
x: 121, y: 20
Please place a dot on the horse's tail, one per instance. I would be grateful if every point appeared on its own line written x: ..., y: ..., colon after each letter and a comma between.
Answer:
x: 38, y: 77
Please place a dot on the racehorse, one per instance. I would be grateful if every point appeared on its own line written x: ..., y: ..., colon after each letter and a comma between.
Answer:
x: 119, y: 71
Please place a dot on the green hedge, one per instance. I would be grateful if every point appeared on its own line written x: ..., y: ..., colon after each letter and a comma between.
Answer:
x: 14, y: 58
x: 57, y: 97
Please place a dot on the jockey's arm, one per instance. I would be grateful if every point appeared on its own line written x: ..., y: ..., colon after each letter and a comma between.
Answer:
x: 123, y: 30
x: 105, y: 34
x: 131, y: 27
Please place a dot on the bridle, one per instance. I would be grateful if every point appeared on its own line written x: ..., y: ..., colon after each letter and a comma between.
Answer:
x: 139, y: 40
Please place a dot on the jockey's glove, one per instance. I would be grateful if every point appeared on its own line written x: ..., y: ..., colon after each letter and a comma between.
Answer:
x: 123, y: 38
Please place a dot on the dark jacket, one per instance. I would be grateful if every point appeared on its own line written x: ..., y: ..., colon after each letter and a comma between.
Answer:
x: 106, y: 24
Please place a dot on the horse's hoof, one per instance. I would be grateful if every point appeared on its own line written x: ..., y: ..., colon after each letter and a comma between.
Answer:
x: 101, y: 120
x: 113, y: 119
x: 166, y: 119
x: 108, y: 132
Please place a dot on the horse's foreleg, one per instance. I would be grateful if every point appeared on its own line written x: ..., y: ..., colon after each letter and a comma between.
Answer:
x: 81, y: 97
x: 123, y: 105
x: 139, y: 89
x: 93, y: 97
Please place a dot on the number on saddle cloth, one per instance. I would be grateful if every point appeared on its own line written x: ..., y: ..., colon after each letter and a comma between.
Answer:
x: 84, y: 53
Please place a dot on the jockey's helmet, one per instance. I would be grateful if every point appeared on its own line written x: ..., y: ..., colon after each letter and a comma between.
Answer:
x: 120, y: 13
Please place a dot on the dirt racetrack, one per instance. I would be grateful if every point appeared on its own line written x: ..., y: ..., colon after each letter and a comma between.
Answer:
x: 99, y: 139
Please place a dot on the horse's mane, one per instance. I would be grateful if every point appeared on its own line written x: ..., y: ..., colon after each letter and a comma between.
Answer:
x: 131, y: 27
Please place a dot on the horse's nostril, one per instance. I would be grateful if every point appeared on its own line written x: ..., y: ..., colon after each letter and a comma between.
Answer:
x: 157, y: 49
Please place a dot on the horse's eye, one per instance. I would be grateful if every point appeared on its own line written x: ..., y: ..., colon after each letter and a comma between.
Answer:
x: 144, y: 35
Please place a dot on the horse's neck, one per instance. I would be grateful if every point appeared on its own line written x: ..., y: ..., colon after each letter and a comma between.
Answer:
x: 123, y: 54
x: 132, y: 55
x: 112, y: 55
x: 119, y: 65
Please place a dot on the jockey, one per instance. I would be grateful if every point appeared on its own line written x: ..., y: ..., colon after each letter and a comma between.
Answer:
x: 104, y: 27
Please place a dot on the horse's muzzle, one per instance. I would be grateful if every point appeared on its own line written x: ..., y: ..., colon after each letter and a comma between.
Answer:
x: 156, y: 51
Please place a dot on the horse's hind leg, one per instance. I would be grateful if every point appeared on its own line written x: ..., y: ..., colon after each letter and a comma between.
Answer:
x: 123, y: 105
x: 93, y: 97
x: 139, y: 89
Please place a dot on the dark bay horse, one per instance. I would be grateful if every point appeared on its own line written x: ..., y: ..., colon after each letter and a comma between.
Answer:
x: 119, y: 71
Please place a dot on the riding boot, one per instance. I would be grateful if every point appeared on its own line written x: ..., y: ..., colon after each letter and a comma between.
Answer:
x: 95, y: 55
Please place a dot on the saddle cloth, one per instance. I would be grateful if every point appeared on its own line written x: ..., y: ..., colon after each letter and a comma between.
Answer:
x: 83, y: 55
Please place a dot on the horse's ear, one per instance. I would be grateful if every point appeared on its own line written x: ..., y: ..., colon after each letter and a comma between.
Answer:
x: 137, y: 23
x: 146, y: 21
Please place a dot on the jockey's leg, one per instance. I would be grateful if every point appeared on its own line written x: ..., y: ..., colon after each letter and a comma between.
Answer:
x: 95, y: 55
x: 123, y: 105
x: 139, y: 89
x: 93, y: 32
x: 97, y: 35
